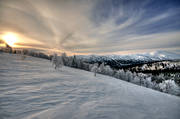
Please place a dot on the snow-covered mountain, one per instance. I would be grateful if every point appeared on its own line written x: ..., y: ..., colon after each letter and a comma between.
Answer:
x: 150, y: 56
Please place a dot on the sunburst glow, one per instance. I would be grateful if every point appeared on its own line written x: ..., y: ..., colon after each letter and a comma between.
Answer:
x: 10, y: 39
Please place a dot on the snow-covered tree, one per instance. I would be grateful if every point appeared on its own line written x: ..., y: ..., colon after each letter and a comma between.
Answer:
x: 142, y: 77
x: 129, y: 76
x: 54, y: 59
x: 135, y: 80
x: 64, y: 58
x: 57, y: 61
x: 69, y: 61
x: 148, y: 83
x: 94, y: 68
x: 79, y: 64
x: 120, y: 74
x: 108, y: 70
x: 169, y: 86
x: 86, y: 66
x: 101, y: 68
x: 74, y: 61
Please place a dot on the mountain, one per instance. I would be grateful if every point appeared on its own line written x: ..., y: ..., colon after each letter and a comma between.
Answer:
x: 150, y: 56
x: 119, y: 61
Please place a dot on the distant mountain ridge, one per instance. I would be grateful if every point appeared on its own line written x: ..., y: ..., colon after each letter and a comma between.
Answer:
x: 120, y: 61
x: 150, y: 56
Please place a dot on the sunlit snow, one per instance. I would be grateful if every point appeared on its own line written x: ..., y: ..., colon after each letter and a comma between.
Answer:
x: 32, y: 89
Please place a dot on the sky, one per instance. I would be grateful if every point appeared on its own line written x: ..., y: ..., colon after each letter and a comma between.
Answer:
x: 93, y: 26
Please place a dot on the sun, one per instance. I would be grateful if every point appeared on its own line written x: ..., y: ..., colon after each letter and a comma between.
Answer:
x: 10, y: 39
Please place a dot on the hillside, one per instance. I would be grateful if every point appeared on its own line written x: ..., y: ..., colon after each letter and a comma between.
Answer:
x: 32, y: 89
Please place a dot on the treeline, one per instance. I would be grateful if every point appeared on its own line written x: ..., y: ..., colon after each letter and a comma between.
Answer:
x: 158, y: 67
x: 159, y: 82
x: 26, y: 52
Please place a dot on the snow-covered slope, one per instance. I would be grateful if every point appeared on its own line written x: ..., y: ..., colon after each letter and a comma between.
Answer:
x: 32, y: 89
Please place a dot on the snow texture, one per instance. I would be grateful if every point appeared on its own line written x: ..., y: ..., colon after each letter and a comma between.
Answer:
x: 33, y: 89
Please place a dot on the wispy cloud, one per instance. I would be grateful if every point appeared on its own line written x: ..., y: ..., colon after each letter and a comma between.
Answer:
x: 94, y: 26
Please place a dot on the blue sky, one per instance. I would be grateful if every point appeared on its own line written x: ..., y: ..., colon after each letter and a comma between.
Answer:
x: 94, y: 26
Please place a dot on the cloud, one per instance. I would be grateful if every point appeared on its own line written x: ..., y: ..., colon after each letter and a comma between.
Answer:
x: 93, y: 26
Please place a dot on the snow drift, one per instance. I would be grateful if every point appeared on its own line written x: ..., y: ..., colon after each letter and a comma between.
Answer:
x: 32, y: 89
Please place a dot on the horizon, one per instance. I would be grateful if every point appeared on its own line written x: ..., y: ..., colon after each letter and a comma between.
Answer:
x: 163, y: 55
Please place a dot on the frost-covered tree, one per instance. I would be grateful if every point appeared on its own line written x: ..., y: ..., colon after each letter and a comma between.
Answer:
x: 129, y: 76
x: 120, y: 74
x: 57, y: 61
x: 86, y: 66
x: 79, y: 64
x: 108, y: 70
x: 101, y: 68
x: 54, y: 59
x: 135, y: 80
x: 74, y: 61
x: 69, y: 61
x: 148, y: 83
x: 142, y: 77
x: 94, y: 68
x: 169, y: 86
x: 64, y: 58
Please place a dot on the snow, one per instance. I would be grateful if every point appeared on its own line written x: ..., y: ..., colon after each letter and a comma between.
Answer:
x: 32, y: 89
x: 148, y: 56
